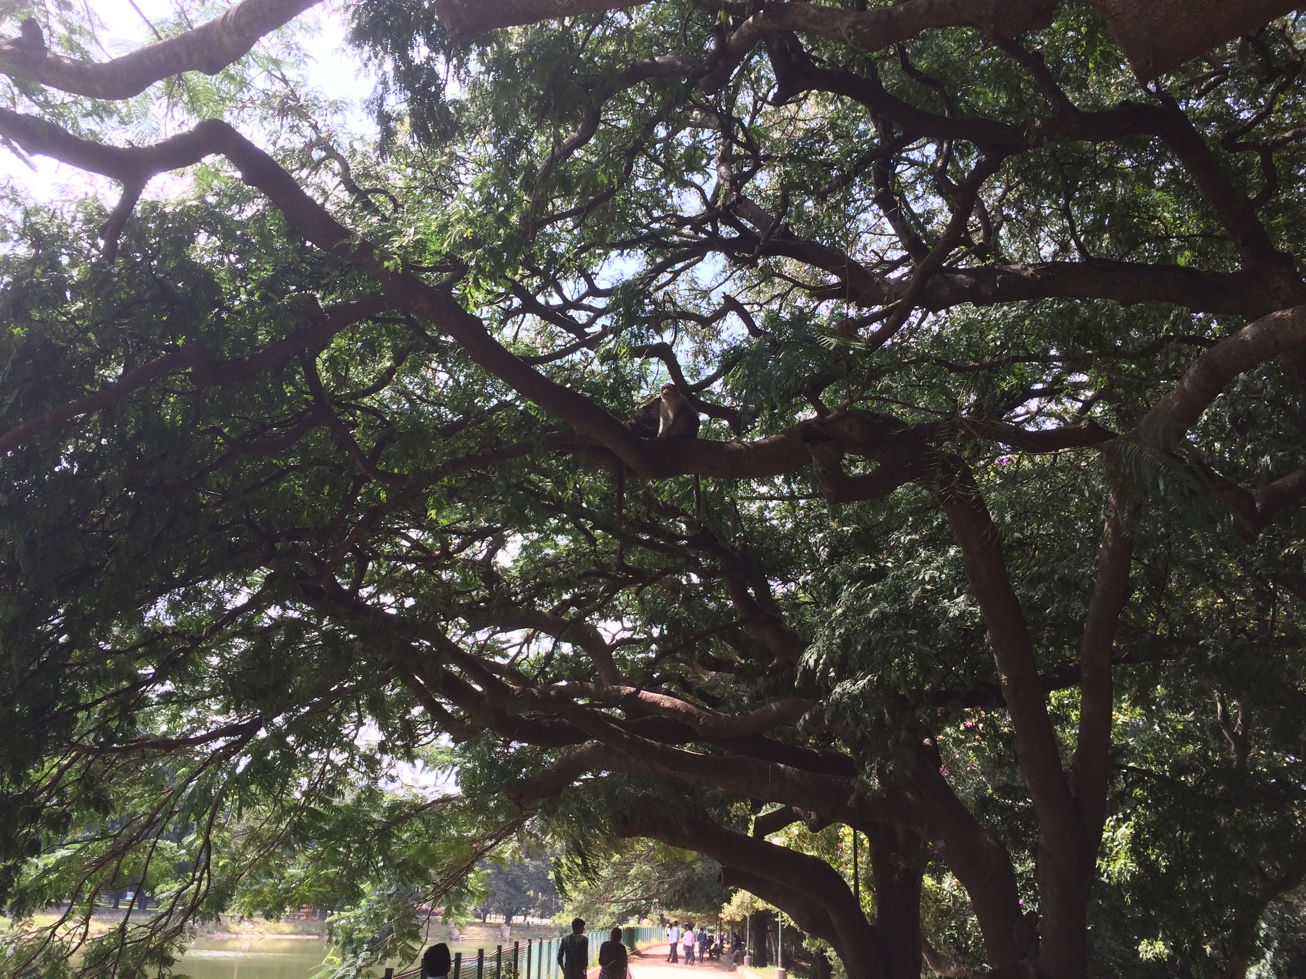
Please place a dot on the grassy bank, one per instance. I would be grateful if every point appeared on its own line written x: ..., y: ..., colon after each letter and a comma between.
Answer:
x: 106, y: 919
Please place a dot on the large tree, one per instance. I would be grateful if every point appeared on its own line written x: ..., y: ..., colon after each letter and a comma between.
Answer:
x: 520, y: 886
x: 989, y: 551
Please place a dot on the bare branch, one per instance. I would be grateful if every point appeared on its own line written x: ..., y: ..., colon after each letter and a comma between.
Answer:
x: 208, y: 48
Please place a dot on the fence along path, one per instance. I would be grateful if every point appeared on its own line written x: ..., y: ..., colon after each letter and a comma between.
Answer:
x: 534, y: 959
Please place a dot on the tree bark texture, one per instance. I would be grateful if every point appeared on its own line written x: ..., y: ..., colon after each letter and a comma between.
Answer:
x: 1160, y: 36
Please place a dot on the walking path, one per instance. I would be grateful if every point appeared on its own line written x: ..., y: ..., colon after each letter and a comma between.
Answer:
x: 651, y: 962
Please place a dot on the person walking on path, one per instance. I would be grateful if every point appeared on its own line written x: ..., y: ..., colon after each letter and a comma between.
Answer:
x: 688, y: 941
x: 574, y: 951
x: 673, y: 939
x: 614, y: 962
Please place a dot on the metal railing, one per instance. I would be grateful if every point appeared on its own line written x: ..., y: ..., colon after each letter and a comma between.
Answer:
x: 534, y: 959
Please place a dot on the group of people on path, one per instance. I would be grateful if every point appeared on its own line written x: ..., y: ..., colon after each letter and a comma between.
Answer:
x: 689, y: 941
x: 574, y: 954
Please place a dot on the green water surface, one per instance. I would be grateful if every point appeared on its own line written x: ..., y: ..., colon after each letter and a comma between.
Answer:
x: 252, y: 958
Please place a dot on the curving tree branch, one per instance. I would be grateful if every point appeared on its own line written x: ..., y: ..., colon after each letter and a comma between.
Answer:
x: 132, y: 165
x: 208, y: 48
x: 1280, y: 332
x: 799, y: 883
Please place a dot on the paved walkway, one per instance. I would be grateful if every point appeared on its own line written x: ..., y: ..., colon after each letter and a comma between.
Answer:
x: 651, y: 962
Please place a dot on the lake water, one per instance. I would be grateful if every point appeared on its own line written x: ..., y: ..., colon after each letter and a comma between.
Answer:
x: 252, y: 958
x: 298, y: 958
x: 280, y: 958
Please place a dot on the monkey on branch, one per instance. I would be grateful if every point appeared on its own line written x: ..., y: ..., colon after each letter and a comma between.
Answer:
x: 676, y: 417
x: 668, y: 416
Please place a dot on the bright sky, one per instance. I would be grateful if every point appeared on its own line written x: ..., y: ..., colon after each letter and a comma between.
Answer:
x: 330, y: 70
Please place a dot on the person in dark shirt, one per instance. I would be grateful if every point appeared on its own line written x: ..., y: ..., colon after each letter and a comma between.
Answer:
x: 613, y: 958
x: 435, y: 962
x: 574, y: 951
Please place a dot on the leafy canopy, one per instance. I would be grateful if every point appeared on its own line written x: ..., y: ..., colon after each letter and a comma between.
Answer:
x: 987, y: 558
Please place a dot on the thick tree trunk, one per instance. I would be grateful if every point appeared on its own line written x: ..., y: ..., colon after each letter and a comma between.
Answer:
x: 861, y: 959
x: 761, y: 924
x: 896, y: 866
x: 1061, y: 949
x: 979, y: 861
